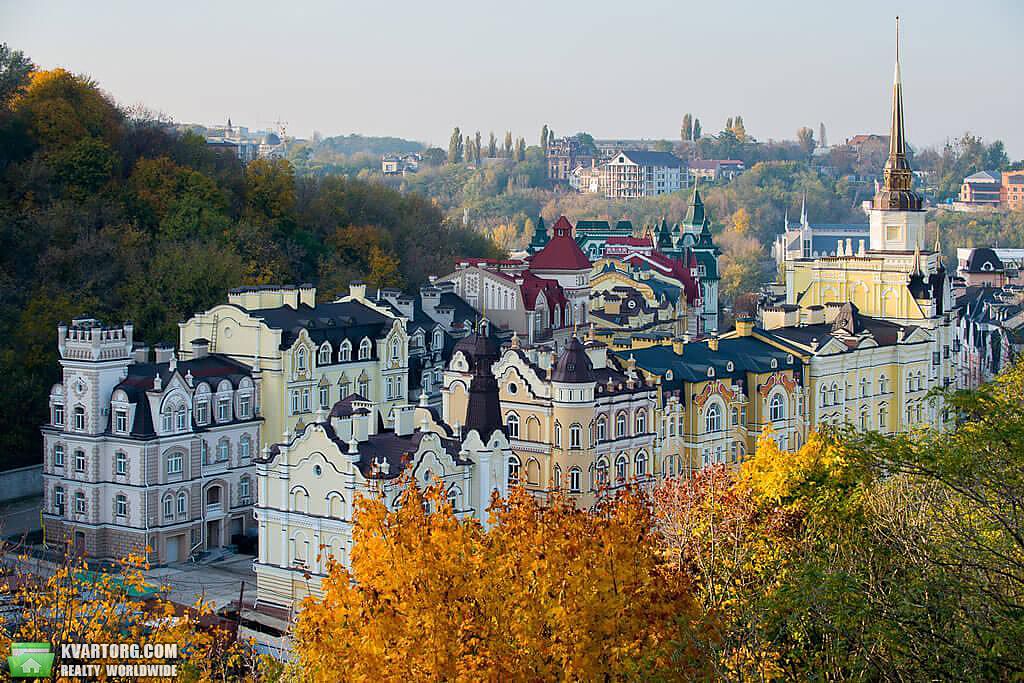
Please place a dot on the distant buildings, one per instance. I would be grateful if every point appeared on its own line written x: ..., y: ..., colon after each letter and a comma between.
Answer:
x: 400, y: 164
x: 988, y: 267
x: 991, y: 190
x: 1011, y: 194
x: 630, y: 174
x: 565, y: 155
x: 807, y: 240
x: 713, y: 170
x: 246, y: 145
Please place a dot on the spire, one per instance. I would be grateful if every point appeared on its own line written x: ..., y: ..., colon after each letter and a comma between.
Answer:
x: 803, y: 212
x: 916, y: 269
x: 695, y: 218
x: 785, y: 220
x: 896, y: 193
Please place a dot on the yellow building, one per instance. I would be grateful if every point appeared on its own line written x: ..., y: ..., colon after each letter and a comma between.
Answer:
x: 307, y: 356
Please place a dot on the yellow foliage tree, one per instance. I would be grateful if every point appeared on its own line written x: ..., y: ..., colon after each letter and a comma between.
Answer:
x: 62, y: 108
x: 504, y: 236
x: 547, y: 592
x: 740, y: 221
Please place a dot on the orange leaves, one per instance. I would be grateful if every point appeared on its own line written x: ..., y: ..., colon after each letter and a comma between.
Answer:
x: 547, y: 592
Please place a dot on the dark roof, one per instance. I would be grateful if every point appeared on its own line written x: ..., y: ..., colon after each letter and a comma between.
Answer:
x: 345, y: 407
x: 646, y: 158
x: 573, y: 364
x: 332, y: 322
x: 980, y: 256
x: 396, y: 450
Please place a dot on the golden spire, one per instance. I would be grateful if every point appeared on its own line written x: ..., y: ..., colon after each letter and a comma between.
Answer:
x: 896, y: 193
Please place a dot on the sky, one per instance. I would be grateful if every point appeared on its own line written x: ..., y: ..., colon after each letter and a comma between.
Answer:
x: 616, y: 69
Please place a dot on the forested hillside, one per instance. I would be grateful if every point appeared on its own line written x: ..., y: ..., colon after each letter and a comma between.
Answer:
x: 108, y: 213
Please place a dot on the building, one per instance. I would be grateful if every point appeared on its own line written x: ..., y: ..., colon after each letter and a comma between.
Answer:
x: 984, y: 266
x: 868, y: 149
x: 400, y: 164
x: 1012, y: 190
x: 981, y: 190
x: 308, y: 355
x: 894, y: 281
x: 991, y: 331
x: 147, y: 454
x: 593, y: 235
x: 713, y: 170
x: 635, y: 173
x: 309, y: 484
x: 814, y: 240
x: 565, y: 155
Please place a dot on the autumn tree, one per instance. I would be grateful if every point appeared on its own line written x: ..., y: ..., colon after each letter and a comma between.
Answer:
x: 686, y: 130
x: 455, y: 147
x: 507, y: 149
x: 15, y: 68
x: 805, y: 138
x: 546, y: 592
x: 477, y: 152
x: 505, y: 236
x: 492, y: 146
x: 696, y: 129
x: 738, y: 129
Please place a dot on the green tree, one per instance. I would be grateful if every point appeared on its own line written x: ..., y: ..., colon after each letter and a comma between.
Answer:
x: 686, y: 131
x: 508, y: 145
x: 477, y: 151
x: 544, y: 137
x: 84, y: 166
x: 270, y: 190
x: 728, y: 124
x: 822, y: 140
x: 696, y: 129
x: 455, y: 147
x: 492, y: 146
x: 15, y: 68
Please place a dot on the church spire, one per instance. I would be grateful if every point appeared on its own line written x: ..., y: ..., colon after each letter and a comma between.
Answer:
x: 896, y: 193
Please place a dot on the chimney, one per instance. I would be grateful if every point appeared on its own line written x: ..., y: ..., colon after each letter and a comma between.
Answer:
x: 200, y: 348
x: 860, y: 248
x: 140, y: 354
x: 839, y: 248
x: 404, y: 422
x: 849, y: 247
x: 307, y: 294
x: 342, y: 427
x: 361, y: 426
x: 677, y: 345
x: 744, y: 326
x: 357, y: 290
x: 353, y: 450
x: 164, y: 352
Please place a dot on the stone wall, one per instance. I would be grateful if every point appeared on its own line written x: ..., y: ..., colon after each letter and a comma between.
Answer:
x: 21, y: 482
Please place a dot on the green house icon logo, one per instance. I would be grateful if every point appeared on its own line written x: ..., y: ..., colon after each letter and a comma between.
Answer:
x: 30, y: 660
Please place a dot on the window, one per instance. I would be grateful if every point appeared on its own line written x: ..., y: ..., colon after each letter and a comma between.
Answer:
x: 364, y: 388
x: 121, y: 463
x: 883, y: 385
x: 179, y: 418
x: 735, y: 414
x: 621, y: 468
x: 80, y: 460
x: 620, y: 425
x: 513, y: 470
x: 325, y: 396
x: 865, y: 423
x: 601, y: 473
x: 174, y: 461
x: 244, y: 406
x: 325, y: 354
x: 641, y: 422
x: 300, y: 360
x: 713, y: 418
x: 602, y: 428
x: 892, y: 233
x: 575, y: 436
x: 344, y: 389
x: 824, y: 396
x: 558, y: 435
x: 364, y: 349
x: 345, y: 352
x: 204, y: 453
x: 222, y: 451
x: 80, y: 503
x: 202, y: 412
x: 244, y: 448
x: 512, y: 423
x: 574, y: 480
x: 243, y: 489
x: 305, y: 400
x: 58, y: 500
x: 79, y: 418
x: 58, y: 455
x: 58, y: 414
x: 438, y: 343
x: 557, y: 477
x: 641, y: 464
x: 883, y: 418
x: 396, y: 350
x: 121, y: 505
x: 863, y: 387
x: 167, y: 420
x: 168, y: 508
x: 295, y: 401
x: 777, y: 408
x: 182, y: 503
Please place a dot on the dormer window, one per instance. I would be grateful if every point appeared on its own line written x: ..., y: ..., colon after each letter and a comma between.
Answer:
x: 345, y: 352
x: 202, y: 412
x: 300, y: 360
x: 365, y: 348
x: 223, y: 409
x: 325, y: 354
x: 711, y: 372
x: 179, y: 418
x: 121, y: 421
x: 244, y: 406
x: 438, y: 342
x: 396, y: 350
x: 58, y: 414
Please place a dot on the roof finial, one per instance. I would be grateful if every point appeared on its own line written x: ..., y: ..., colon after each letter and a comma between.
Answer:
x: 785, y: 220
x: 803, y: 211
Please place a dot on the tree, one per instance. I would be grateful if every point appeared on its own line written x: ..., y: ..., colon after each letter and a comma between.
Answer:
x: 686, y: 131
x: 805, y: 137
x: 520, y: 149
x: 547, y: 592
x: 468, y: 149
x: 477, y: 152
x: 508, y: 145
x: 492, y: 146
x: 551, y: 138
x: 504, y: 236
x: 15, y: 68
x: 61, y: 108
x: 270, y: 190
x: 696, y: 129
x: 738, y: 129
x: 384, y: 269
x: 822, y: 140
x: 455, y: 147
x: 544, y: 137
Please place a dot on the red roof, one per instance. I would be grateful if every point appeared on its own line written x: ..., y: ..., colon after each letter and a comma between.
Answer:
x: 672, y: 268
x: 630, y: 241
x: 553, y: 293
x: 561, y: 252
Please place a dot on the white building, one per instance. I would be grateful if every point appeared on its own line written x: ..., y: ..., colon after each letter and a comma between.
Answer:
x: 636, y: 173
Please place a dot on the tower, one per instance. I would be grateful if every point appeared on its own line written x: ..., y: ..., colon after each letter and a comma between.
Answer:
x: 94, y: 359
x: 897, y: 218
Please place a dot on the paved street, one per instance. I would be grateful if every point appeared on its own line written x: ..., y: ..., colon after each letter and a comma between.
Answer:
x: 218, y: 582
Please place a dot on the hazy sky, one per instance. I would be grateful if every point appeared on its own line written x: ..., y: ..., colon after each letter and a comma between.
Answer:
x: 611, y: 67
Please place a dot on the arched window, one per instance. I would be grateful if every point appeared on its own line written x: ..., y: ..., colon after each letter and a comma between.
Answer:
x: 621, y: 468
x: 641, y: 422
x: 601, y: 473
x: 641, y: 464
x: 512, y: 424
x: 602, y: 428
x: 345, y: 352
x: 438, y: 340
x: 620, y: 425
x: 299, y: 500
x: 834, y: 394
x: 169, y: 507
x: 558, y: 435
x: 824, y: 396
x: 300, y: 359
x: 575, y: 475
x: 365, y: 348
x: 454, y: 498
x: 79, y: 419
x: 325, y: 354
x: 883, y: 418
x: 557, y: 477
x: 777, y: 408
x: 179, y: 418
x: 735, y: 416
x: 396, y: 350
x: 883, y: 385
x: 865, y: 424
x: 863, y: 387
x: 513, y: 470
x: 182, y: 503
x: 575, y: 436
x: 713, y: 418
